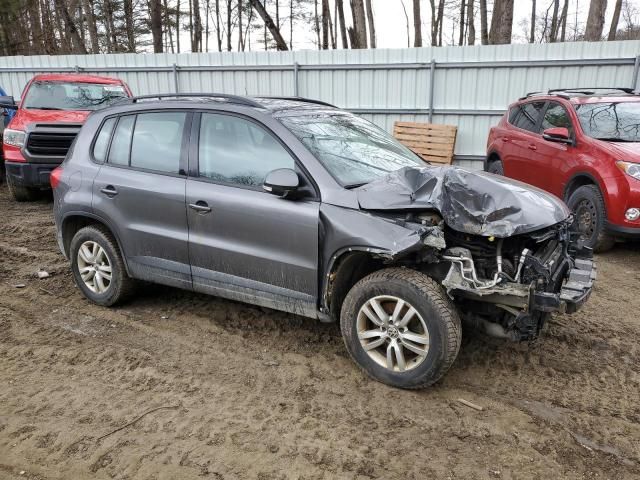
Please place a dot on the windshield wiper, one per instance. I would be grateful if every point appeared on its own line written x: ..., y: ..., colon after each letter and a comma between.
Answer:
x: 46, y: 108
x: 616, y: 139
x: 349, y: 186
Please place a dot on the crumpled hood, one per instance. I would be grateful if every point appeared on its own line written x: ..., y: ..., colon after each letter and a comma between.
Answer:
x: 477, y: 203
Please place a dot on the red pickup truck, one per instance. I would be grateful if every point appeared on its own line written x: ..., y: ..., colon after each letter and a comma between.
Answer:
x: 50, y: 114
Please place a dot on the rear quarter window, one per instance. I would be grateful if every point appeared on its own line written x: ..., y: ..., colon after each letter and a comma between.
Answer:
x: 101, y: 144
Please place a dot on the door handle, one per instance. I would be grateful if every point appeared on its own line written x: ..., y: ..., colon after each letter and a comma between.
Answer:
x: 110, y: 191
x: 200, y: 207
x: 532, y: 147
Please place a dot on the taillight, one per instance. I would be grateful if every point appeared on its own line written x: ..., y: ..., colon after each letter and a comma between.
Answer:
x: 54, y: 177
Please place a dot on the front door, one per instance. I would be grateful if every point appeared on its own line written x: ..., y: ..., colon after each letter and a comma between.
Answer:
x: 244, y: 243
x: 140, y: 190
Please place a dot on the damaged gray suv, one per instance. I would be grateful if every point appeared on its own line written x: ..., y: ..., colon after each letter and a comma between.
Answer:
x: 299, y: 206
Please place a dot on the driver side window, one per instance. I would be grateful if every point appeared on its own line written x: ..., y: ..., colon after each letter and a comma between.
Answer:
x: 238, y: 151
x: 557, y: 116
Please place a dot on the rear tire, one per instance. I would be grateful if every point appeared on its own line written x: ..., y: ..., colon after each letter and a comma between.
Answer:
x: 496, y: 167
x: 591, y: 215
x: 102, y: 285
x: 412, y: 354
x: 21, y: 193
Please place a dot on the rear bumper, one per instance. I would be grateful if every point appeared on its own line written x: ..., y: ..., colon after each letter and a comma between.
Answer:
x: 30, y: 174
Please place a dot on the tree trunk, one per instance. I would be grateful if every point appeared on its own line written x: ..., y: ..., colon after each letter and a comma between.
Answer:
x: 417, y: 24
x: 532, y: 34
x: 343, y: 27
x: 436, y: 22
x: 178, y: 26
x: 484, y: 32
x: 372, y: 25
x: 359, y: 24
x: 229, y: 9
x: 563, y: 21
x: 268, y: 21
x: 553, y: 35
x: 35, y: 22
x: 471, y: 21
x: 462, y: 22
x: 406, y: 16
x: 325, y: 24
x: 156, y: 24
x: 316, y: 18
x: 128, y: 19
x: 218, y: 22
x: 240, y: 39
x: 92, y: 26
x: 614, y: 21
x: 595, y: 20
x: 501, y: 22
x: 70, y: 29
x: 196, y: 46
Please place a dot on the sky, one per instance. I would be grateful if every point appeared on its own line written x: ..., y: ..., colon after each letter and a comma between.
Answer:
x: 391, y: 23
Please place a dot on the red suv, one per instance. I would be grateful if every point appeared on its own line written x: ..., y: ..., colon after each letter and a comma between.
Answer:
x: 582, y: 145
x: 52, y: 110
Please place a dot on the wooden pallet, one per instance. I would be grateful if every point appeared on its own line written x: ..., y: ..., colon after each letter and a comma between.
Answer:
x: 433, y: 143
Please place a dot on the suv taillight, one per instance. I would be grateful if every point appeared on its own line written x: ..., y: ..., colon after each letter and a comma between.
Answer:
x: 54, y: 177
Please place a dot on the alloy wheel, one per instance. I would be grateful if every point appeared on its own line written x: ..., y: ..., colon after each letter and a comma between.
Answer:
x: 393, y: 333
x: 94, y: 266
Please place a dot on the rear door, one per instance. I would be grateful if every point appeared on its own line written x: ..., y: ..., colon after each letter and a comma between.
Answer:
x: 523, y: 141
x: 140, y: 191
x: 244, y: 243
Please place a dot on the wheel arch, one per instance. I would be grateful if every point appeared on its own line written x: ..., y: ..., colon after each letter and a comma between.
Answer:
x: 492, y: 156
x: 346, y: 267
x: 74, y: 221
x: 581, y: 179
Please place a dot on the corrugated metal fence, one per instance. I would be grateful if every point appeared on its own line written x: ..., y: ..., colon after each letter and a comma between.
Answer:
x: 465, y: 86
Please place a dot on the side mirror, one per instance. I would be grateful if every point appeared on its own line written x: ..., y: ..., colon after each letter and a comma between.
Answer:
x: 8, y: 102
x: 558, y: 135
x: 281, y: 182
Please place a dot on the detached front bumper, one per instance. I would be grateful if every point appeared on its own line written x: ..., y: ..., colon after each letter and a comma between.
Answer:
x: 574, y: 292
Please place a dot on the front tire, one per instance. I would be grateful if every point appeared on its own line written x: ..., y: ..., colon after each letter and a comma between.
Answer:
x: 588, y: 205
x: 21, y: 193
x: 399, y: 326
x: 98, y: 268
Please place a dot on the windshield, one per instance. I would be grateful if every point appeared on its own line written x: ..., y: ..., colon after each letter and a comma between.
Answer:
x: 352, y: 149
x: 72, y: 95
x: 612, y: 121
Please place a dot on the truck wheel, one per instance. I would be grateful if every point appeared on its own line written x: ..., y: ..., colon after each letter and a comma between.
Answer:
x: 20, y: 193
x: 400, y: 328
x: 496, y: 167
x: 588, y: 206
x: 98, y: 268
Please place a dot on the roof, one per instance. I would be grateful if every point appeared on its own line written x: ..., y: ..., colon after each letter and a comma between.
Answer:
x: 76, y: 77
x: 584, y: 95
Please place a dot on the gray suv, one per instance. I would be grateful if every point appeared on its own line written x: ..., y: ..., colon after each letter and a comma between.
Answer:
x: 299, y: 206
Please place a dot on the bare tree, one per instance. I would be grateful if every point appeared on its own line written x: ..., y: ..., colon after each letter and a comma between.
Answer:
x: 437, y: 15
x: 614, y: 20
x: 325, y: 24
x: 553, y: 35
x: 371, y: 24
x: 268, y: 21
x: 471, y: 22
x: 501, y: 22
x: 462, y: 22
x: 404, y: 9
x: 484, y: 32
x: 532, y: 35
x: 358, y: 32
x: 417, y: 24
x: 343, y: 26
x: 595, y: 20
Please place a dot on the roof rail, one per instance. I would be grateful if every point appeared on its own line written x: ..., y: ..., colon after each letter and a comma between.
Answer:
x: 534, y: 94
x: 237, y: 99
x: 588, y: 90
x: 300, y: 99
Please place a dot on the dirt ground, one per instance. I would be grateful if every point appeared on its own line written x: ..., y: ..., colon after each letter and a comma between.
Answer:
x: 250, y: 393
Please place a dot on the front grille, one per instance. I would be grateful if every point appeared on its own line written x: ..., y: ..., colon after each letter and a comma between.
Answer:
x: 49, y: 141
x: 50, y: 144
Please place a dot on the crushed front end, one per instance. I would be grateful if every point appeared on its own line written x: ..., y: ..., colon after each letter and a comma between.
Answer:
x: 511, y: 285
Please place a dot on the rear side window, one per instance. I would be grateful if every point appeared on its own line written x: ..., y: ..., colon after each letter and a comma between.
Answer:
x: 238, y: 151
x: 101, y: 145
x: 121, y: 143
x: 157, y: 141
x: 528, y: 117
